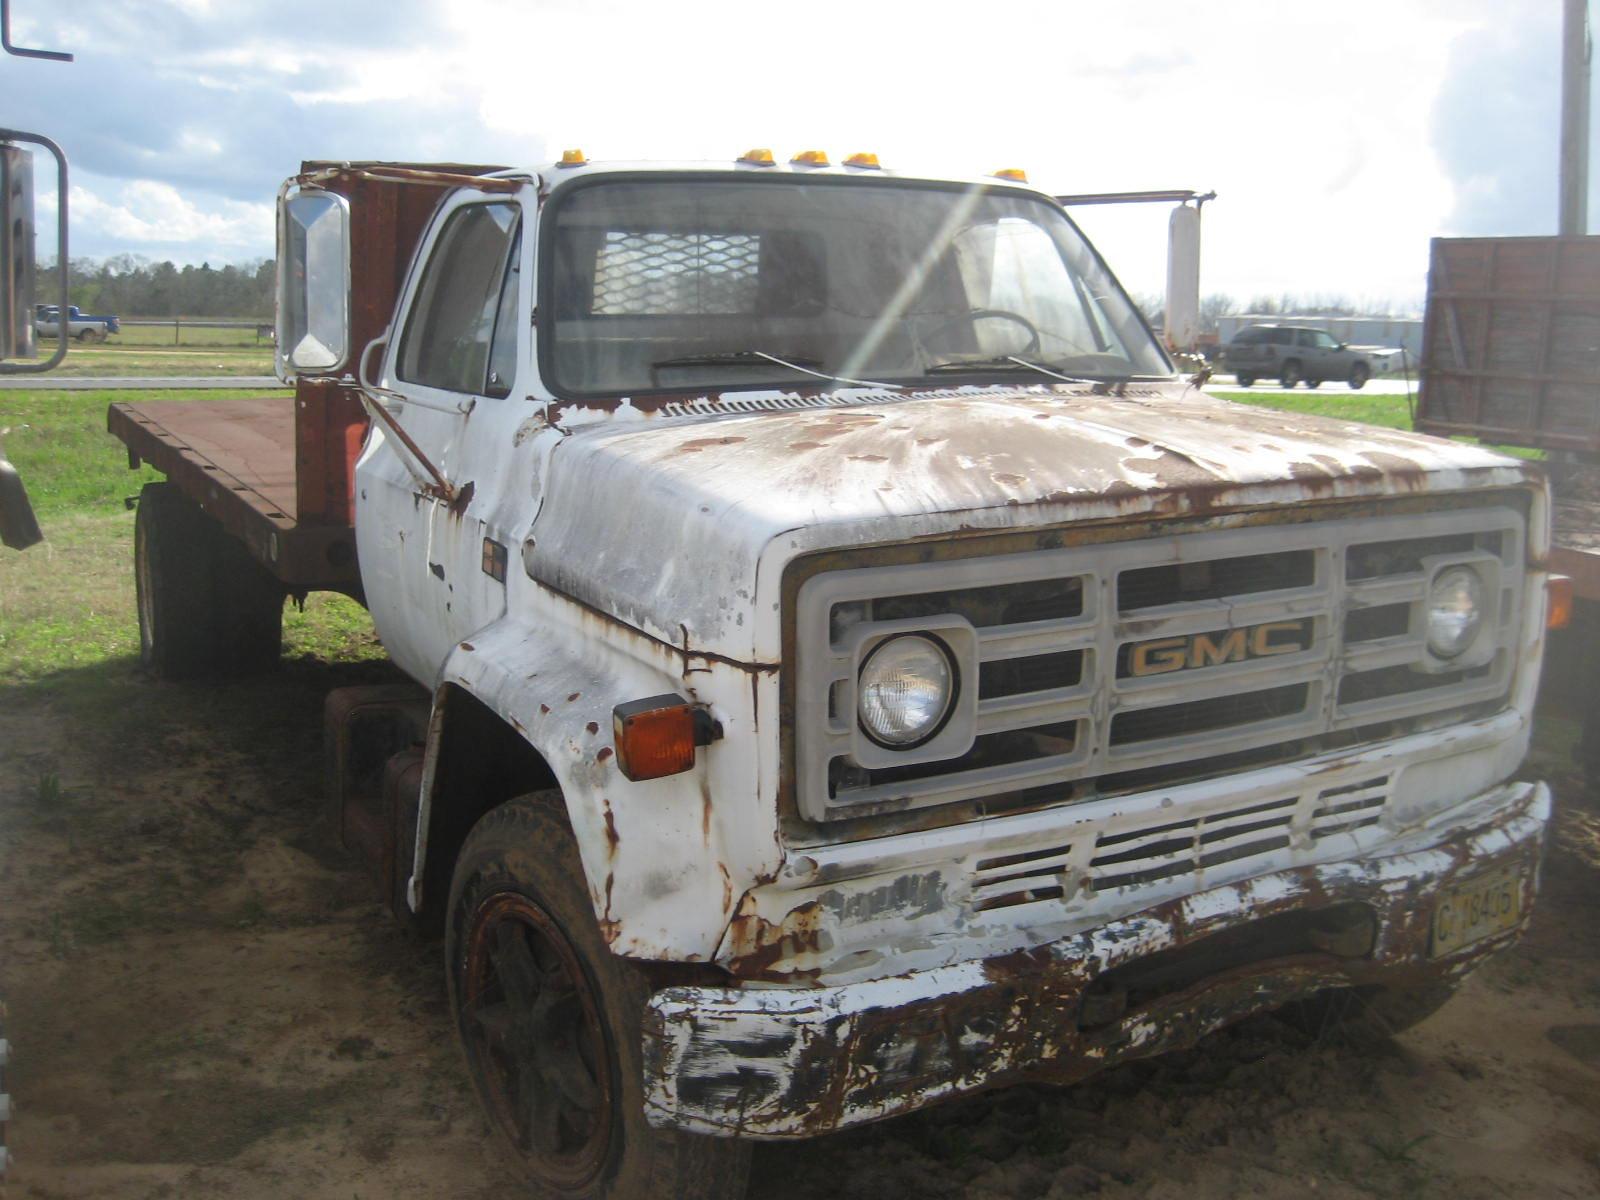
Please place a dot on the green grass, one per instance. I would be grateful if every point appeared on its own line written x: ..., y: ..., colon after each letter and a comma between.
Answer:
x: 120, y: 357
x: 68, y: 628
x: 1392, y: 411
x: 69, y: 463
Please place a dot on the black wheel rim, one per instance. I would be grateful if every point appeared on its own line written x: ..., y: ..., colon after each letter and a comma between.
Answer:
x: 530, y: 1017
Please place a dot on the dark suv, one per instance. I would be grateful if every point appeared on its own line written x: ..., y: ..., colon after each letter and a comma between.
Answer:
x: 1293, y: 353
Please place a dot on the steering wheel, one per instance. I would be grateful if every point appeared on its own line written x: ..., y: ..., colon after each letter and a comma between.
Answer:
x: 988, y: 314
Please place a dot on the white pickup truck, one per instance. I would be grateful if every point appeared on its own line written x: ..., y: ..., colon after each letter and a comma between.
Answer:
x: 851, y: 669
x: 80, y: 325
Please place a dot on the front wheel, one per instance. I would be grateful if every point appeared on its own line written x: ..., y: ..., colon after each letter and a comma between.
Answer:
x: 550, y: 1022
x: 1359, y: 374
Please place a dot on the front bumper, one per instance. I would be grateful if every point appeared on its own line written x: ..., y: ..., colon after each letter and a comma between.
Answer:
x: 796, y: 1062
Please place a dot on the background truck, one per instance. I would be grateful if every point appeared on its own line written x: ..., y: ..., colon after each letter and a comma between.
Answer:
x: 846, y: 667
x: 1511, y: 356
x: 80, y: 325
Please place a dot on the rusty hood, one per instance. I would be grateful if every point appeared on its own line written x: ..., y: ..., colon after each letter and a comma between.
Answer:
x: 679, y: 526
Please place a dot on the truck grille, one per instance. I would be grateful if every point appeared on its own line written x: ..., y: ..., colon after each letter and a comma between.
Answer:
x: 1179, y: 656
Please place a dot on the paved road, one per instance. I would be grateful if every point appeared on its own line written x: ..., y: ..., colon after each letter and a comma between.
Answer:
x: 141, y: 383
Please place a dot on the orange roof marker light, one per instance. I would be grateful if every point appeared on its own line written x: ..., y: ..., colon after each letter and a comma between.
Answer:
x: 810, y: 158
x: 573, y: 158
x: 1015, y: 174
x: 866, y: 161
x: 757, y: 158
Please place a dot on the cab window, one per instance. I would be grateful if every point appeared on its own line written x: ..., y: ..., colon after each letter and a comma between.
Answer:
x: 461, y: 334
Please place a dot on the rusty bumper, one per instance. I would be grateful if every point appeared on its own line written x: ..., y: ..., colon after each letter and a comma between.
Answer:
x: 797, y: 1062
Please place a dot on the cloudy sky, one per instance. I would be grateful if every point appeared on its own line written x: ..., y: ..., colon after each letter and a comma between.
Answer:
x: 1340, y: 137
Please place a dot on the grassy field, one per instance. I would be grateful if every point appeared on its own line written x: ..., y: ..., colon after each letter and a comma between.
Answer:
x: 119, y: 356
x: 67, y: 623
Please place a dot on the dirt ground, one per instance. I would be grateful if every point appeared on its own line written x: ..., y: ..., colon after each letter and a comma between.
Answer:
x: 205, y: 1001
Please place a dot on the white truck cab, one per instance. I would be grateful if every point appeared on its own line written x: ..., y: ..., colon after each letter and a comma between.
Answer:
x: 855, y: 670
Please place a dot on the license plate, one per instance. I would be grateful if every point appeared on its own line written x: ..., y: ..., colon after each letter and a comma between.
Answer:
x: 1478, y: 909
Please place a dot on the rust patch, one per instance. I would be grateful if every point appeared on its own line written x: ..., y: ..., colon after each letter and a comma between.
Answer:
x: 461, y: 498
x: 544, y: 709
x: 593, y: 727
x: 869, y: 458
x: 468, y: 646
x: 757, y: 945
x: 605, y: 753
x: 613, y: 840
x: 573, y: 697
x: 699, y: 444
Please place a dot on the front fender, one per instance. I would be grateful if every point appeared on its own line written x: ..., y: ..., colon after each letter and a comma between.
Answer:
x: 664, y: 861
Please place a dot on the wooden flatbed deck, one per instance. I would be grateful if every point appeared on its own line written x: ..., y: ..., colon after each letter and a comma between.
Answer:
x: 237, y: 460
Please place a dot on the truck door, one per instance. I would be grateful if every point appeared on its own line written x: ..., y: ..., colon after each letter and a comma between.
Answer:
x: 447, y: 377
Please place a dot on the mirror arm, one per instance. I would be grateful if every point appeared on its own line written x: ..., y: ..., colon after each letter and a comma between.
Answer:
x: 435, y: 485
x: 38, y: 139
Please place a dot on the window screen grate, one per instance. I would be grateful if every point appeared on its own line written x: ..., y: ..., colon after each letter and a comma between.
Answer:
x: 676, y: 274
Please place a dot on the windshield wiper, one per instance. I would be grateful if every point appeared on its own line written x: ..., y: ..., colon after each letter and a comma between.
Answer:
x: 1004, y: 362
x: 744, y: 358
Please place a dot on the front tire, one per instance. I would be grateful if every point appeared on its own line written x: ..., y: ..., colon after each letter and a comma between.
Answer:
x: 1359, y: 374
x: 550, y: 1019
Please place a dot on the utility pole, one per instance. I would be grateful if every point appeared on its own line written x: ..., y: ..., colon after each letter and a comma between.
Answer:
x: 1575, y: 52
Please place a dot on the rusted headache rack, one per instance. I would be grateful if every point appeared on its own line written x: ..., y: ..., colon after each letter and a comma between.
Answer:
x: 1511, y: 355
x: 275, y: 471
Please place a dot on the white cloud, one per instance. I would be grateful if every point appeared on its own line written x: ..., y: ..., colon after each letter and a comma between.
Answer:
x: 1316, y: 124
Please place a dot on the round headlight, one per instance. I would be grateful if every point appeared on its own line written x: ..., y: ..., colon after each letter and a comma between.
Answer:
x: 905, y: 691
x: 1455, y: 611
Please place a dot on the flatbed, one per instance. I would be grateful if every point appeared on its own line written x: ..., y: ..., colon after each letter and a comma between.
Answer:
x: 237, y: 459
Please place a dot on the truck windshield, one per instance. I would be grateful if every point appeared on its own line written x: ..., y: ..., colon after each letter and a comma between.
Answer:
x: 676, y: 284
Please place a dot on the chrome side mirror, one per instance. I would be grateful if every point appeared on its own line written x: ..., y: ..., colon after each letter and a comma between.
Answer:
x: 313, y: 325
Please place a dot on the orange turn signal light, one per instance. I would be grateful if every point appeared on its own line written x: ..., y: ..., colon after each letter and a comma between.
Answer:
x: 810, y: 158
x: 573, y: 158
x: 760, y: 157
x: 1015, y: 174
x: 656, y: 737
x: 1559, y: 589
x: 865, y: 160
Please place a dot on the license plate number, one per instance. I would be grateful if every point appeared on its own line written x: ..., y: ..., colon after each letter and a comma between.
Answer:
x: 1480, y: 908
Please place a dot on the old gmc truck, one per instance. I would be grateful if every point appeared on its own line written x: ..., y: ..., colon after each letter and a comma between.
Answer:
x: 851, y: 669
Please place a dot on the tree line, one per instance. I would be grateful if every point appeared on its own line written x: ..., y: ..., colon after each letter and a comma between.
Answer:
x: 1218, y: 304
x: 127, y: 285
